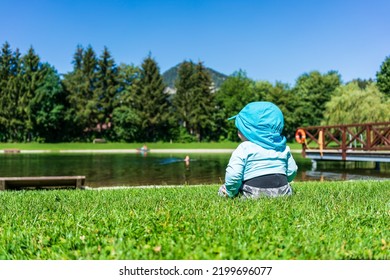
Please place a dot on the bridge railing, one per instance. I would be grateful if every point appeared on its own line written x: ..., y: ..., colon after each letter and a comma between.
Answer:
x: 351, y: 137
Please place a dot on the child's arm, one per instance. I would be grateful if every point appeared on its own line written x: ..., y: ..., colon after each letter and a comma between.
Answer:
x: 234, y: 173
x: 292, y: 167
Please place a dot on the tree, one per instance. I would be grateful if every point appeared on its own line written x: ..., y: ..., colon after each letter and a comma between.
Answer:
x: 126, y: 121
x: 350, y: 104
x: 126, y: 124
x: 90, y: 112
x: 106, y: 92
x: 362, y: 83
x: 32, y: 77
x: 184, y: 98
x: 202, y: 121
x: 151, y: 102
x: 383, y: 77
x: 31, y: 104
x: 194, y: 102
x: 313, y: 90
x: 82, y: 114
x: 48, y: 107
x: 10, y: 88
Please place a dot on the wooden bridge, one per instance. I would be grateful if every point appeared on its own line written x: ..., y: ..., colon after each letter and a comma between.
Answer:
x: 352, y: 142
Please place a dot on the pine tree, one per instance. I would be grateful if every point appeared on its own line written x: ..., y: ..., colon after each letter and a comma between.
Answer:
x: 10, y: 92
x: 7, y: 73
x: 32, y: 77
x: 151, y: 102
x: 106, y: 92
x: 29, y: 92
x: 204, y: 105
x: 183, y: 100
x: 79, y: 85
x: 73, y: 87
x: 91, y: 111
x: 194, y: 101
x: 383, y: 77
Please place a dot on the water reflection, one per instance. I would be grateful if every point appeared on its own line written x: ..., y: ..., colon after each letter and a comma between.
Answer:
x: 337, y: 176
x: 164, y: 169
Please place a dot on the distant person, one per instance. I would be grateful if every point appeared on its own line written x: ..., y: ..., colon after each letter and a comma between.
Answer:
x: 262, y: 165
x: 143, y: 150
x: 187, y: 160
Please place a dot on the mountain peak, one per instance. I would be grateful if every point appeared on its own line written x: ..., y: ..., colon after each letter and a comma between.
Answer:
x: 171, y: 74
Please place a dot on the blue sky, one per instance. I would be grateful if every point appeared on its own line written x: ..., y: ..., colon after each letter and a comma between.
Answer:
x: 271, y: 40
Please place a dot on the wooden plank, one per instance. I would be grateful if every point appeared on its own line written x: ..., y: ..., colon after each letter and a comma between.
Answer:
x: 49, y: 181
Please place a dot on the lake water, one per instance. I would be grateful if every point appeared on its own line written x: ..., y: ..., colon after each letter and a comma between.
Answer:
x: 164, y: 169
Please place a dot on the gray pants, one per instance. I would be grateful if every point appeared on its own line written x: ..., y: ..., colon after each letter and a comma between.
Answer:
x: 253, y: 192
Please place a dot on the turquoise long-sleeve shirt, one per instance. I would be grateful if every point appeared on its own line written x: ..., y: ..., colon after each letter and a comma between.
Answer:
x: 250, y: 160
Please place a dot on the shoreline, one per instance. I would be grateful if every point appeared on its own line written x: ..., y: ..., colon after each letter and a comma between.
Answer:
x: 128, y: 151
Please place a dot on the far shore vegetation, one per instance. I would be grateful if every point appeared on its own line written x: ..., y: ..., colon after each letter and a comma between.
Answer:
x: 133, y: 103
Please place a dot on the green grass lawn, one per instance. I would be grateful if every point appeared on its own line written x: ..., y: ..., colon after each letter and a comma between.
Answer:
x: 322, y: 220
x: 109, y: 145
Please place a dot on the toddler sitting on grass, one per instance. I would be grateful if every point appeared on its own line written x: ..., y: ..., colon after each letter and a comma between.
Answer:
x: 262, y: 165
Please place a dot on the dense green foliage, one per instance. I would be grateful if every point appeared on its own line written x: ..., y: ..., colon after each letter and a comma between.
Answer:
x: 322, y: 220
x: 31, y: 98
x: 383, y: 77
x: 194, y: 101
x: 150, y: 103
x: 128, y: 103
x: 314, y: 90
x: 341, y: 109
x: 91, y: 91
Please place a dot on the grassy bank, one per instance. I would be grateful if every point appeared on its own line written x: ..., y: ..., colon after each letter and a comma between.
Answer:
x: 332, y: 220
x: 91, y: 146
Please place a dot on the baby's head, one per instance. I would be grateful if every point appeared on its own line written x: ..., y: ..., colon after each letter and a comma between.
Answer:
x: 261, y: 123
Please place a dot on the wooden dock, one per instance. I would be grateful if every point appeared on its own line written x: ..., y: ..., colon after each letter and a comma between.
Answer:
x: 352, y: 142
x: 337, y: 155
x: 47, y: 182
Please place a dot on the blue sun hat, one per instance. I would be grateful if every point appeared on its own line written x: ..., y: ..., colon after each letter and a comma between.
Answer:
x: 262, y: 123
